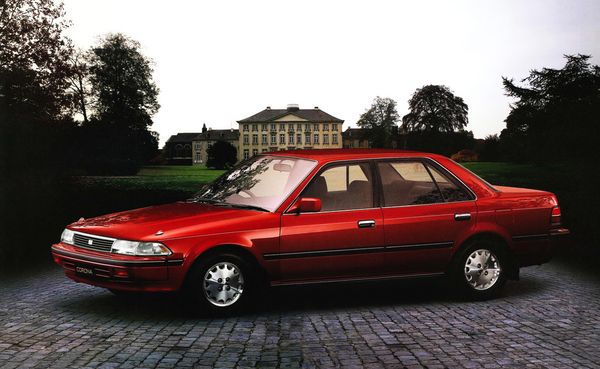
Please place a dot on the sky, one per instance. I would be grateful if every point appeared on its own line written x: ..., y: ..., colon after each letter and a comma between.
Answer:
x: 217, y: 62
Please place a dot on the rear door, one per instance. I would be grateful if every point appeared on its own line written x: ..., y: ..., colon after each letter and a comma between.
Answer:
x: 343, y: 240
x: 425, y: 209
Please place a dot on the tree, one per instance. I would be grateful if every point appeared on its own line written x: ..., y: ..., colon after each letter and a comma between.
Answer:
x: 221, y: 155
x: 435, y: 108
x: 33, y: 60
x: 124, y: 99
x: 121, y: 77
x: 489, y: 148
x: 379, y: 122
x: 556, y: 113
x: 79, y: 83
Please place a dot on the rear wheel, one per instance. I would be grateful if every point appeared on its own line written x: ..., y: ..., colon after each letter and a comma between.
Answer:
x: 479, y: 271
x: 222, y: 283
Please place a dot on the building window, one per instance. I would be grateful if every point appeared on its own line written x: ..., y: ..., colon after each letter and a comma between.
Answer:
x: 316, y: 139
x: 255, y: 128
x: 245, y: 127
x: 246, y: 154
x: 273, y: 127
x: 198, y: 158
x: 334, y: 126
x: 264, y: 126
x: 273, y: 138
x: 307, y: 127
x: 197, y: 145
x: 254, y: 152
x: 299, y: 139
x: 291, y: 139
x: 264, y: 139
x: 254, y: 139
x: 325, y: 127
x: 307, y: 138
x: 281, y: 126
x: 246, y: 140
x: 326, y: 139
x: 299, y: 127
x: 334, y: 137
x: 265, y: 150
x: 282, y: 139
x: 316, y: 127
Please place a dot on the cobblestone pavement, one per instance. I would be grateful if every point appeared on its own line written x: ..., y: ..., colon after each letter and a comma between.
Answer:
x: 551, y: 318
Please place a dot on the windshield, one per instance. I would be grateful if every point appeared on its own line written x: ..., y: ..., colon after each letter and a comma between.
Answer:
x: 262, y: 182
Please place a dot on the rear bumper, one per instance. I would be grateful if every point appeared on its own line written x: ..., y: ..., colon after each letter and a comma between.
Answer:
x: 151, y: 274
x: 539, y: 249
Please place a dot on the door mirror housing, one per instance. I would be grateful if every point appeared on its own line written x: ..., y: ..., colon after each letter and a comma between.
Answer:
x: 306, y: 205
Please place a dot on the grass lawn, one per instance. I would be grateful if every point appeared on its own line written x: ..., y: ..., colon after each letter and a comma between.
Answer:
x: 173, y: 178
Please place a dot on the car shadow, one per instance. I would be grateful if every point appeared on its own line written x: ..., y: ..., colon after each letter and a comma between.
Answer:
x: 289, y: 300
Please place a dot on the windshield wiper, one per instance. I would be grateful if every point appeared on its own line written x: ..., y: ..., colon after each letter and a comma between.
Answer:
x: 204, y: 200
x: 243, y: 206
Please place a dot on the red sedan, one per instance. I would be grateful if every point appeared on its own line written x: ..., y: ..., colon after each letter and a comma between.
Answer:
x: 314, y: 216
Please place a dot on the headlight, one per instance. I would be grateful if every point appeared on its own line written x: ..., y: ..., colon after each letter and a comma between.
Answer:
x: 67, y: 236
x: 140, y: 248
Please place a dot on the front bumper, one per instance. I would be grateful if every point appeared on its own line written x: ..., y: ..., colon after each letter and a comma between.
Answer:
x: 120, y: 272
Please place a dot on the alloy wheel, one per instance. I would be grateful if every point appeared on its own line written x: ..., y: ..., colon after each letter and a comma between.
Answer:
x: 482, y: 269
x: 223, y: 284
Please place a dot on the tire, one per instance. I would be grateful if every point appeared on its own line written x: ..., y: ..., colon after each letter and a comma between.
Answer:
x: 479, y: 271
x: 222, y: 284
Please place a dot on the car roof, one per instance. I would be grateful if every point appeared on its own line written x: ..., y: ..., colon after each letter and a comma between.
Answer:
x: 327, y: 155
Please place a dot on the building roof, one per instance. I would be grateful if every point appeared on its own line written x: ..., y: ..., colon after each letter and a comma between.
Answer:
x: 218, y: 134
x: 182, y: 137
x: 358, y: 133
x: 312, y: 115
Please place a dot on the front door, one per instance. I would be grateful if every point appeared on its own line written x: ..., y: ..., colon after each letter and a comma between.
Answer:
x: 425, y: 210
x: 345, y: 239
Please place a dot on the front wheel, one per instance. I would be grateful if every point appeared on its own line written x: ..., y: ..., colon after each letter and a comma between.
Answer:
x: 221, y: 283
x: 480, y: 270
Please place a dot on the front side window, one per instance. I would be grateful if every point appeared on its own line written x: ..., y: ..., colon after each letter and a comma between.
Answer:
x: 343, y: 187
x: 263, y: 182
x: 414, y: 183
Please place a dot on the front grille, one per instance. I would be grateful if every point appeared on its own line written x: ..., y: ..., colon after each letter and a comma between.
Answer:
x: 92, y: 243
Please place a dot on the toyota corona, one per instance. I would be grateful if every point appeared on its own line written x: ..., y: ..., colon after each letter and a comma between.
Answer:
x: 316, y: 216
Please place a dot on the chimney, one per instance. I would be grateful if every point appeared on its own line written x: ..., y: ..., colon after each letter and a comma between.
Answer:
x: 316, y: 108
x: 268, y: 108
x: 293, y: 107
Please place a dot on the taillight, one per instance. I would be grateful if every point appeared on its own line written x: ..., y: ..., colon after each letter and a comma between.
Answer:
x: 555, y: 217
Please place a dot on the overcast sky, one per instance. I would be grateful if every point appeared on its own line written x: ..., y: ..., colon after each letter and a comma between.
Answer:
x: 217, y: 62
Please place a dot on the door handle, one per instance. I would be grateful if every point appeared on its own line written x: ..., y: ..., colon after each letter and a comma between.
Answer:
x: 366, y: 223
x: 462, y: 216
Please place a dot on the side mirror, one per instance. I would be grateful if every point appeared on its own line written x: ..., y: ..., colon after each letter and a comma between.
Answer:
x: 306, y: 205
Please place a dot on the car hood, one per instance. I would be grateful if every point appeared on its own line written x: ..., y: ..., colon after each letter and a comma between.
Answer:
x: 181, y: 219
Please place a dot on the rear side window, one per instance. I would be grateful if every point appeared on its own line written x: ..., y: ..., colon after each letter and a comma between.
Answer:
x: 450, y: 191
x: 414, y: 182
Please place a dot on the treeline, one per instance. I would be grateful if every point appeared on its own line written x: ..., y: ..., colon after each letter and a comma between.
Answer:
x: 553, y: 118
x: 45, y: 83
